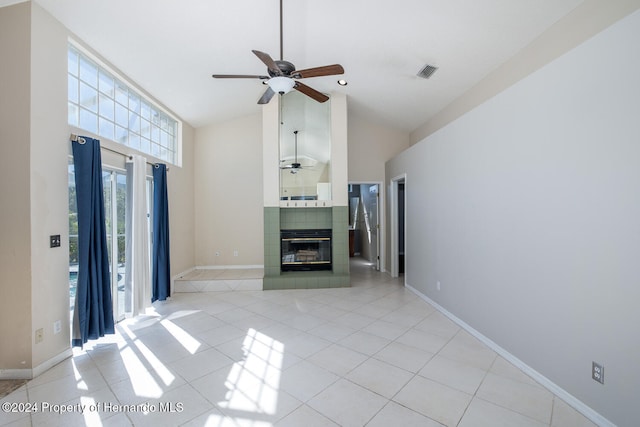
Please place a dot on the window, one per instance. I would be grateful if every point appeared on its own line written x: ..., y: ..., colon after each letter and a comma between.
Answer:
x: 103, y: 104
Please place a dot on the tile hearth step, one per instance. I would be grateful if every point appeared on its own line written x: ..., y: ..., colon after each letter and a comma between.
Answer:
x: 220, y: 280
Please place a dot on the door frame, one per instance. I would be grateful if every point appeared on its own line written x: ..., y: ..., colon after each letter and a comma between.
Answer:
x: 394, y: 234
x: 119, y: 313
x: 381, y: 220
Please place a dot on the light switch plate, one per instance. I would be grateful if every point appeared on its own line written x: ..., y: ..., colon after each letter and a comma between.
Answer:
x: 54, y: 241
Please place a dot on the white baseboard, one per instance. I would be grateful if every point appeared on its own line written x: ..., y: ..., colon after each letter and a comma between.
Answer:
x: 227, y: 267
x: 16, y: 374
x: 27, y: 374
x: 571, y: 400
x: 44, y: 366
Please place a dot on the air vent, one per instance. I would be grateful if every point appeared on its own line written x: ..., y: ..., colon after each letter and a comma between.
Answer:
x: 427, y: 71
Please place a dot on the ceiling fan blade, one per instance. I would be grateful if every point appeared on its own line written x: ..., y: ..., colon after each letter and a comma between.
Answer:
x: 238, y: 76
x: 310, y: 92
x: 266, y: 96
x: 269, y: 62
x: 327, y: 70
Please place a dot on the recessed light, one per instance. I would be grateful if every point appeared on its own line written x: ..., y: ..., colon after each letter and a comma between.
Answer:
x: 342, y: 82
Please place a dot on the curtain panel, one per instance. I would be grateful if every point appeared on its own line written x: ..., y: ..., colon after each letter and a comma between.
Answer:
x: 93, y: 314
x: 137, y: 285
x: 161, y: 272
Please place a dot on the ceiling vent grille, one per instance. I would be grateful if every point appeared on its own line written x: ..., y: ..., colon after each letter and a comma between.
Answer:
x: 427, y: 71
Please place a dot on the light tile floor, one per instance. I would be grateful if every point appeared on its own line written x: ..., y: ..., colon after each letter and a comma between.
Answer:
x: 374, y: 354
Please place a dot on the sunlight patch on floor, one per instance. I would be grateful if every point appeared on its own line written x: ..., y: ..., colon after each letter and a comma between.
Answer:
x: 253, y: 382
x: 91, y: 418
x: 183, y: 337
x: 142, y: 381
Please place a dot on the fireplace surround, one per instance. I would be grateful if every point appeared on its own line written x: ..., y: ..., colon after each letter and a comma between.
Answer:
x: 331, y: 214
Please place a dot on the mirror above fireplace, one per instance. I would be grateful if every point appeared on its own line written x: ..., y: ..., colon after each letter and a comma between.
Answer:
x: 305, y: 148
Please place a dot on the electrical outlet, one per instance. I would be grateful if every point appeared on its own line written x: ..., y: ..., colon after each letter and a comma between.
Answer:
x: 597, y: 372
x: 235, y: 252
x: 39, y: 335
x: 57, y: 327
x: 438, y: 285
x: 217, y: 253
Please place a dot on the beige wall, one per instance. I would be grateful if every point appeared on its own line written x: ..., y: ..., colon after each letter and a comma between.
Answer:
x: 49, y: 184
x: 15, y: 218
x: 34, y: 136
x: 228, y: 193
x: 370, y: 146
x: 180, y: 184
x: 339, y: 150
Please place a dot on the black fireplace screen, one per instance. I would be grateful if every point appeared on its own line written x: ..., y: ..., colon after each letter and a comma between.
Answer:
x: 305, y: 250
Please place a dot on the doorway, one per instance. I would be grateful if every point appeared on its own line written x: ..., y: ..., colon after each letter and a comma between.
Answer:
x: 365, y: 236
x: 398, y: 228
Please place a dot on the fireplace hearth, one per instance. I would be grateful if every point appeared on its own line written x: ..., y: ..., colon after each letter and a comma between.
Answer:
x: 305, y: 250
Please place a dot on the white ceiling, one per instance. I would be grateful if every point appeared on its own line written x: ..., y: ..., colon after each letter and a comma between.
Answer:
x: 170, y: 48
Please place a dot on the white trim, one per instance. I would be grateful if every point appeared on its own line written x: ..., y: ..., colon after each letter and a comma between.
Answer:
x: 28, y: 374
x: 16, y: 374
x: 394, y: 224
x: 306, y: 204
x: 571, y: 400
x: 46, y: 365
x: 226, y: 267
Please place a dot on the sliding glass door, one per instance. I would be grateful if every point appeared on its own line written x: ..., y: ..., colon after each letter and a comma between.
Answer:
x: 114, y: 184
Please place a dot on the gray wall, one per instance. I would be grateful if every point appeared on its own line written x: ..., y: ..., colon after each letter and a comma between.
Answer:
x: 527, y: 210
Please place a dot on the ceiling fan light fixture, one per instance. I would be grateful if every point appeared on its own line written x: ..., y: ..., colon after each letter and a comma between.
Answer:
x: 281, y: 84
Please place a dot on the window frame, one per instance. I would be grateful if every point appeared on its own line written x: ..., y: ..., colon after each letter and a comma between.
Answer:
x: 150, y: 134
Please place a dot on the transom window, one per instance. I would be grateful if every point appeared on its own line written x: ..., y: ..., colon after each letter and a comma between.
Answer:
x: 101, y: 103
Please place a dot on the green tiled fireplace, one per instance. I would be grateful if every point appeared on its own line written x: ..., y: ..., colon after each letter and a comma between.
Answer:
x: 335, y: 218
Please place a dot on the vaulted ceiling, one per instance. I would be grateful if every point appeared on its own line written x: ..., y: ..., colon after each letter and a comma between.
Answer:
x: 170, y: 48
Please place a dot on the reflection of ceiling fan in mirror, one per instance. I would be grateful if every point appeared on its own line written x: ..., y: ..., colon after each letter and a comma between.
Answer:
x: 295, y: 166
x: 283, y: 75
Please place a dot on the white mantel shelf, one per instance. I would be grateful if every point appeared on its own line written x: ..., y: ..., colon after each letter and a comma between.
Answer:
x: 306, y: 203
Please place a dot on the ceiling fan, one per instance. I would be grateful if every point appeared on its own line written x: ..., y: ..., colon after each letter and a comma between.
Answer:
x: 283, y: 76
x: 295, y: 166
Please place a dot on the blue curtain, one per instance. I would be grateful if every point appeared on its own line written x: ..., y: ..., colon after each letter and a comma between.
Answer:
x: 93, y: 314
x: 161, y: 273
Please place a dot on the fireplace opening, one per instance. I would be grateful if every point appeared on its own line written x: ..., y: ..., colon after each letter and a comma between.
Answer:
x: 305, y: 250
